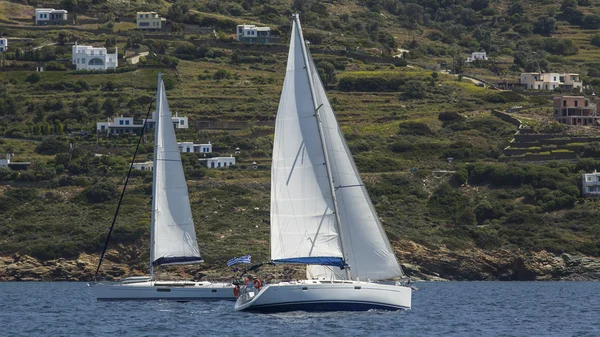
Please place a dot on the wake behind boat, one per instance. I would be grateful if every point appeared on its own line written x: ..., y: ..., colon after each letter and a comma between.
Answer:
x: 172, y: 233
x: 321, y: 213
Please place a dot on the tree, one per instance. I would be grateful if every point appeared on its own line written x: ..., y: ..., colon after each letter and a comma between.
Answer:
x: 109, y: 107
x: 545, y: 25
x: 47, y: 129
x: 177, y: 12
x: 414, y: 89
x: 479, y: 4
x: 60, y: 128
x: 570, y: 12
x: 101, y: 192
x: 591, y: 21
x: 516, y: 7
x: 110, y: 41
x: 33, y: 78
x: 326, y: 72
x: 595, y: 40
x: 222, y: 74
x: 51, y: 146
x: 37, y: 129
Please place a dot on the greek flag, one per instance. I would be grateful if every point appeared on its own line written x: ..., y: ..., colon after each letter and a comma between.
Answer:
x: 242, y: 259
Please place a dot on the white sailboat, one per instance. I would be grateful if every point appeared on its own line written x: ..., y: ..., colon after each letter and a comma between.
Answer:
x: 321, y: 213
x: 172, y: 234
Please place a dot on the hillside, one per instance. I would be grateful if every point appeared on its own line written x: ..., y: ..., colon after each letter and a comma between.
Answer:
x: 482, y: 216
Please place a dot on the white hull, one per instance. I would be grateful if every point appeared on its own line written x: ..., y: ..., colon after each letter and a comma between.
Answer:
x: 312, y: 295
x: 164, y: 290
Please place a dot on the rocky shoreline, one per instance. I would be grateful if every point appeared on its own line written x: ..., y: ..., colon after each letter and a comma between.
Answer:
x: 419, y: 262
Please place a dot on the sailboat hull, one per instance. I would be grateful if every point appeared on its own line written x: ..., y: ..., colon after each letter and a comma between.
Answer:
x: 319, y: 296
x: 164, y: 290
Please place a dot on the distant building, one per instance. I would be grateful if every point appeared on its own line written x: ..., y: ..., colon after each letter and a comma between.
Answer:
x: 14, y: 165
x: 50, y: 16
x: 190, y: 147
x: 551, y: 81
x: 590, y: 185
x: 217, y: 162
x: 126, y: 125
x: 4, y: 162
x: 402, y: 53
x: 149, y: 21
x: 575, y: 110
x: 91, y: 58
x: 143, y: 166
x: 477, y: 56
x: 3, y: 45
x: 251, y: 33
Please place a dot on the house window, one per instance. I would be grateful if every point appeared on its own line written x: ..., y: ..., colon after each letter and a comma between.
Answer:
x: 83, y: 60
x: 212, y: 164
x: 144, y: 24
x: 539, y: 86
x: 219, y: 164
x: 121, y: 122
x: 188, y: 149
x: 555, y: 78
x: 587, y: 103
x: 182, y: 122
x: 576, y: 103
x: 565, y: 103
x: 126, y: 122
x: 554, y: 86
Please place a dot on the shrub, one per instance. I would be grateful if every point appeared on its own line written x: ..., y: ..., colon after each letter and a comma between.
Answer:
x: 414, y: 128
x: 52, y: 146
x: 33, y: 78
x: 55, y: 66
x: 101, y: 192
x: 22, y: 194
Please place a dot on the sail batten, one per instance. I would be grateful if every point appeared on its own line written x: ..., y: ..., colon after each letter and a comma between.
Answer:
x: 173, y: 234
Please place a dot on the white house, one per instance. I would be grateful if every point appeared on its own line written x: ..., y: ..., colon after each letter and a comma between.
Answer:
x: 50, y: 16
x: 590, y: 185
x: 149, y: 20
x: 178, y: 122
x: 190, y: 147
x: 4, y: 162
x: 551, y: 81
x: 251, y: 33
x: 92, y: 58
x: 127, y: 125
x: 477, y: 56
x: 3, y: 44
x: 217, y: 162
x: 143, y: 166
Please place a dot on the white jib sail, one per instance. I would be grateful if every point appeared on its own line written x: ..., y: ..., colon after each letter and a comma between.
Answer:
x: 174, y: 240
x: 302, y: 211
x: 367, y: 249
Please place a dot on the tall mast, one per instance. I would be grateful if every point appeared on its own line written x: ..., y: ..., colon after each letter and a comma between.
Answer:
x: 323, y: 144
x: 154, y: 167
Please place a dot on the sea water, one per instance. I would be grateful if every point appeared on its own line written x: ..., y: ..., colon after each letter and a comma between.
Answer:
x: 439, y: 309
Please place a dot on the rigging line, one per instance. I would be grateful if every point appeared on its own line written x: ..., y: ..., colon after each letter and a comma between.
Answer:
x: 112, y: 226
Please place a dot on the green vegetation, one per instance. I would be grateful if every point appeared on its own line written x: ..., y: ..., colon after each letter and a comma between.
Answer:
x: 403, y: 123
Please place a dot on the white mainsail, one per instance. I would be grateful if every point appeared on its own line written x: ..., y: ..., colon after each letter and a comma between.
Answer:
x: 303, y: 221
x: 173, y: 235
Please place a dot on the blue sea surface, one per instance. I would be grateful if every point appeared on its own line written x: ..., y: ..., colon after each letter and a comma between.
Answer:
x: 439, y: 309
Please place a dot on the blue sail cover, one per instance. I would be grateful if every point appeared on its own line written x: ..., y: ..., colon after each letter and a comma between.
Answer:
x: 320, y: 260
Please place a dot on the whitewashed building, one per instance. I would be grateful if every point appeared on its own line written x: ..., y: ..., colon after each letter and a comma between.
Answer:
x: 50, y: 16
x: 190, y: 147
x: 149, y: 20
x: 92, y: 58
x: 590, y: 185
x: 551, y: 81
x: 3, y: 44
x: 251, y: 33
x: 143, y: 166
x: 126, y: 125
x: 477, y: 56
x: 217, y: 162
x: 4, y: 162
